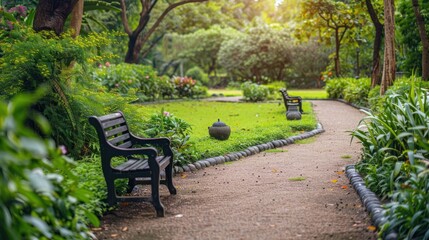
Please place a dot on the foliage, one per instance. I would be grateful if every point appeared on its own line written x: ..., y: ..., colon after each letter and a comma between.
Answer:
x: 201, y: 47
x: 331, y: 19
x: 274, y: 89
x: 408, y: 213
x: 261, y: 54
x: 188, y: 87
x: 350, y: 89
x: 40, y: 198
x: 394, y: 143
x: 177, y: 130
x: 304, y: 72
x: 409, y: 59
x: 199, y: 75
x: 335, y: 87
x: 254, y: 92
x: 130, y: 79
x: 30, y: 60
x: 356, y: 91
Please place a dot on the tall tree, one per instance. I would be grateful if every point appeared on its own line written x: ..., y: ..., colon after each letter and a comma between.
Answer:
x: 375, y: 72
x: 330, y: 16
x: 424, y: 39
x: 52, y: 14
x: 135, y: 37
x: 389, y: 66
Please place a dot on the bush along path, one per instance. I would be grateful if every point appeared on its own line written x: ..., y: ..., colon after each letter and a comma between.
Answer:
x: 296, y: 191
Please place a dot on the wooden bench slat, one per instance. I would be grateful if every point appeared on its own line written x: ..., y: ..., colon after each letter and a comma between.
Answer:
x: 111, y: 123
x: 119, y: 139
x: 109, y: 117
x: 133, y: 165
x: 115, y: 131
x: 126, y: 144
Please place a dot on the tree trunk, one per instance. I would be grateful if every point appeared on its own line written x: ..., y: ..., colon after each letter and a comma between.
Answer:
x: 52, y: 14
x: 133, y: 51
x: 375, y: 73
x: 129, y: 57
x: 76, y: 18
x: 424, y: 39
x: 337, y: 53
x: 389, y: 67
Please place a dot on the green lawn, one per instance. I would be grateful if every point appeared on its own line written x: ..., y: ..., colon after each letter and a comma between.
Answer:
x: 304, y: 93
x: 251, y: 123
x: 309, y: 93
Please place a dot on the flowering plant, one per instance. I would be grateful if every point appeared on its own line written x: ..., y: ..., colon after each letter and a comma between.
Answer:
x: 184, y: 86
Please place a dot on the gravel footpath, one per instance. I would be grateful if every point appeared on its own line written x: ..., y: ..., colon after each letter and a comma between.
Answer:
x: 298, y: 192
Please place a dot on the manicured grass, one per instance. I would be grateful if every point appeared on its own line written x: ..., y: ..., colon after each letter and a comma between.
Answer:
x: 251, y: 123
x: 309, y: 93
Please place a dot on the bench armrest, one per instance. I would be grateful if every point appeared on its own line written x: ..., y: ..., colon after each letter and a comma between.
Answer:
x: 152, y: 141
x: 163, y: 142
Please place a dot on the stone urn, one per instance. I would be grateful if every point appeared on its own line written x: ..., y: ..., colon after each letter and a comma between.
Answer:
x: 293, y: 113
x: 219, y: 130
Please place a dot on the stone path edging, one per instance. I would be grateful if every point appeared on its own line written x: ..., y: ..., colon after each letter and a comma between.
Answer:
x: 234, y: 156
x: 368, y: 198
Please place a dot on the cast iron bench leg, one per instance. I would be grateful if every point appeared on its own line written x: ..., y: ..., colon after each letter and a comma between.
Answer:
x: 169, y: 179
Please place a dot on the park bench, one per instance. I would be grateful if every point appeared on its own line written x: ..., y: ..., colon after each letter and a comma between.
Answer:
x: 143, y: 165
x: 291, y: 101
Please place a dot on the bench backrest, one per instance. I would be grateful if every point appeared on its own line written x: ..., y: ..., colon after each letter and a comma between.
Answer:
x: 112, y: 129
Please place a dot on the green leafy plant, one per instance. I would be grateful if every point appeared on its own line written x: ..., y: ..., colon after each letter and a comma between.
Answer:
x: 395, y: 145
x: 199, y: 75
x: 40, y: 198
x: 188, y: 87
x: 177, y: 130
x: 254, y: 92
x: 131, y: 79
x: 335, y: 87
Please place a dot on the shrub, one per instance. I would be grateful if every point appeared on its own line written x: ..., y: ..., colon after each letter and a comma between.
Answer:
x: 254, y: 92
x: 188, y: 87
x: 30, y: 60
x: 199, y: 75
x: 233, y: 85
x: 335, y: 87
x: 274, y: 88
x: 131, y: 79
x: 39, y: 194
x: 177, y: 130
x: 357, y: 90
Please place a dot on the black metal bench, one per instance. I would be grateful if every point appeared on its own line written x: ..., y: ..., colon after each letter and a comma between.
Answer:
x: 291, y: 101
x: 144, y: 164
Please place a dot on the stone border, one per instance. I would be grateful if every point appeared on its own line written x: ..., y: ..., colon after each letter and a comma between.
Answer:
x: 353, y: 105
x: 201, y: 164
x: 368, y: 198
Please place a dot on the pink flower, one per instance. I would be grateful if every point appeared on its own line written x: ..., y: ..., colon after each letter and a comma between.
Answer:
x: 107, y: 64
x: 63, y: 149
x: 167, y: 114
x: 100, y: 66
x: 147, y: 77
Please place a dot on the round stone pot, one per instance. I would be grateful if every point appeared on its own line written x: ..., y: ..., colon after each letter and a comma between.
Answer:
x: 219, y: 130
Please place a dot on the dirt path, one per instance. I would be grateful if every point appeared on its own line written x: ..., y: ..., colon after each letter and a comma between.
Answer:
x: 300, y: 193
